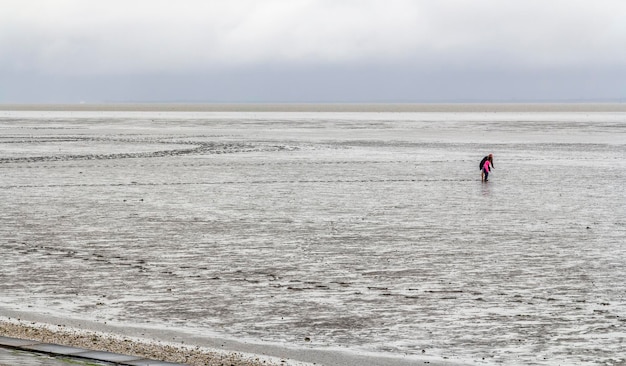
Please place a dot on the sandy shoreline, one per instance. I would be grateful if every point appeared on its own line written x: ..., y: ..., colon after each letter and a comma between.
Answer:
x: 101, y: 341
x: 195, y: 350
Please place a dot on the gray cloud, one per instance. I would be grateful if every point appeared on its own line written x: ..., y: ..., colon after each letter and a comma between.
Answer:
x: 349, y: 83
x: 208, y: 42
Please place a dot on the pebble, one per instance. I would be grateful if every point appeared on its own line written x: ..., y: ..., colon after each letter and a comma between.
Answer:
x: 112, y: 343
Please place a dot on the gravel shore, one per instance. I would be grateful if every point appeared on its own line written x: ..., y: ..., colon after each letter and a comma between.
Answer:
x: 59, y: 334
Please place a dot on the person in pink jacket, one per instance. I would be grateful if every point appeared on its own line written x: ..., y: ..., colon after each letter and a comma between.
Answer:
x: 481, y: 166
x: 487, y: 166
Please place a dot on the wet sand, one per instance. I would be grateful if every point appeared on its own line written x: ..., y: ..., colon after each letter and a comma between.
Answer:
x: 322, y: 237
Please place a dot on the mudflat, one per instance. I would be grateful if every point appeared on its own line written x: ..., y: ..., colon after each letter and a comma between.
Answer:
x: 355, y: 232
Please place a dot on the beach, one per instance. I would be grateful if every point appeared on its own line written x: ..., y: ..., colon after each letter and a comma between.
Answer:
x: 110, y: 342
x: 318, y: 234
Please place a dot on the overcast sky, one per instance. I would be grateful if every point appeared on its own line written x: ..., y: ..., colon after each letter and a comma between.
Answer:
x: 69, y: 51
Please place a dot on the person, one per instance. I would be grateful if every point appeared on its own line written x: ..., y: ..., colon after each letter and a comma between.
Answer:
x: 486, y: 169
x: 481, y: 166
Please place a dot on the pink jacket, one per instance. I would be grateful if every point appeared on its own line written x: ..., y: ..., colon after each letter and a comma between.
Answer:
x: 486, y: 166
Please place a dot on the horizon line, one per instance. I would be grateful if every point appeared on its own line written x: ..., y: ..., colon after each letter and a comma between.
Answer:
x: 406, y: 107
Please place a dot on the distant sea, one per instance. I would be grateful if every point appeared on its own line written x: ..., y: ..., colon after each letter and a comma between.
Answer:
x: 324, y: 107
